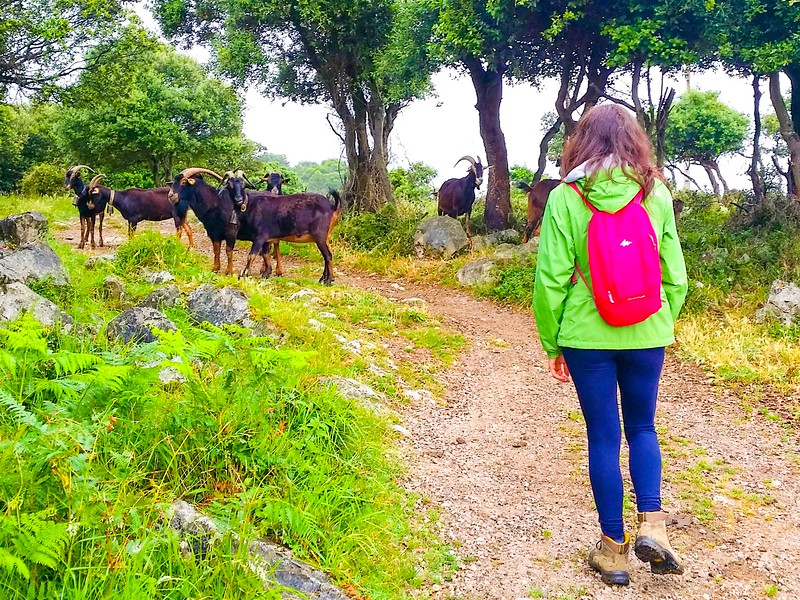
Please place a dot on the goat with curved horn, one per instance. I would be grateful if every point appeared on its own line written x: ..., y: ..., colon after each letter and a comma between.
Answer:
x: 88, y: 208
x: 95, y: 180
x: 456, y: 196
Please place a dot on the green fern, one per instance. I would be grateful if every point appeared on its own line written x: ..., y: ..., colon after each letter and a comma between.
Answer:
x: 12, y: 563
x: 20, y: 414
x: 36, y: 540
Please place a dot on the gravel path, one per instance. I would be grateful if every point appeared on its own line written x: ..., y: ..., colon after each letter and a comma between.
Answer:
x: 503, y: 456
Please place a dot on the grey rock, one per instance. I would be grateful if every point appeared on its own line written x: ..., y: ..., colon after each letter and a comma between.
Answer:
x: 516, y: 251
x: 272, y: 563
x: 358, y: 392
x: 439, y: 236
x: 113, y: 288
x: 506, y: 236
x: 159, y: 277
x: 31, y: 262
x: 219, y: 306
x: 782, y: 304
x: 16, y: 298
x: 104, y: 259
x: 24, y: 228
x: 164, y: 297
x: 480, y: 271
x: 137, y: 325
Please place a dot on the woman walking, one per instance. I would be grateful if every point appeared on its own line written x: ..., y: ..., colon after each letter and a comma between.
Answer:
x: 608, y: 170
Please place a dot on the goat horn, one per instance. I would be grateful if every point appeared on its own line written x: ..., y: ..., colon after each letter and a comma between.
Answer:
x: 227, y: 175
x: 243, y: 175
x: 467, y: 158
x: 95, y: 180
x: 186, y: 173
x: 74, y: 170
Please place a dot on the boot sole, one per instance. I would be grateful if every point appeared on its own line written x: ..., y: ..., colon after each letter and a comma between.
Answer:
x: 662, y: 561
x: 612, y: 577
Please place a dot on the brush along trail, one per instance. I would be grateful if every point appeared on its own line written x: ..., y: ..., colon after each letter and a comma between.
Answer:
x: 502, y: 458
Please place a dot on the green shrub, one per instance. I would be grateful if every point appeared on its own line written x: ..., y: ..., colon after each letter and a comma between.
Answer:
x: 150, y: 250
x: 43, y: 180
x: 388, y: 232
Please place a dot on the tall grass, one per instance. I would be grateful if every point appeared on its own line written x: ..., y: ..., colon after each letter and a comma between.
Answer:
x: 93, y: 447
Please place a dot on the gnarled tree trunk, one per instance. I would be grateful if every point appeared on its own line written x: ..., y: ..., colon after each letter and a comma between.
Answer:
x: 489, y: 91
x: 753, y: 171
x: 787, y: 130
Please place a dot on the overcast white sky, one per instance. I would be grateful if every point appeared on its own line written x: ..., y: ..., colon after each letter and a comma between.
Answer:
x: 440, y: 129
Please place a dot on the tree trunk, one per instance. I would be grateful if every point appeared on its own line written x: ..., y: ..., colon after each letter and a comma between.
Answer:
x: 793, y: 72
x: 710, y: 172
x: 789, y: 135
x: 366, y: 135
x: 715, y: 166
x: 489, y: 91
x: 544, y: 146
x: 753, y: 171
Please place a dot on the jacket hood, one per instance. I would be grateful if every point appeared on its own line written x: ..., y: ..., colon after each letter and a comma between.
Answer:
x: 611, y: 190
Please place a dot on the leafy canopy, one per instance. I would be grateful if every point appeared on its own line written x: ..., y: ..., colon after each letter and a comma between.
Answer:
x: 702, y: 128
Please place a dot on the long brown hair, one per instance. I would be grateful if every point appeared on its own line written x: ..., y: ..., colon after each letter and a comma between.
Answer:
x: 611, y: 130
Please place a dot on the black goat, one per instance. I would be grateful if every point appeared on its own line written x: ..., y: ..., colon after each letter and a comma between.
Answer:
x: 136, y: 205
x: 88, y: 208
x: 260, y: 217
x: 275, y: 181
x: 456, y: 196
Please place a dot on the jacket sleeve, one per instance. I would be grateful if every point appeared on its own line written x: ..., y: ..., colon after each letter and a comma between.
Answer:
x: 673, y: 267
x: 555, y: 265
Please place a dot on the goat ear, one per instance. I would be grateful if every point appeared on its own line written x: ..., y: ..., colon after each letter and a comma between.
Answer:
x: 190, y: 181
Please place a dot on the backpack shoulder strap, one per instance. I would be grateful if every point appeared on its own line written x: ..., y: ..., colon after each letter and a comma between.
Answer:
x: 585, y: 201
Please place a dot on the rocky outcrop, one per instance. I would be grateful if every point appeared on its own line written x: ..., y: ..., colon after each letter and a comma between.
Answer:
x: 137, y: 325
x: 358, y: 392
x: 219, y: 306
x: 483, y: 270
x: 113, y: 288
x: 272, y: 563
x: 24, y: 228
x: 506, y: 236
x: 477, y: 272
x: 16, y: 298
x: 164, y: 297
x: 159, y: 277
x: 31, y: 262
x: 782, y: 304
x: 441, y: 237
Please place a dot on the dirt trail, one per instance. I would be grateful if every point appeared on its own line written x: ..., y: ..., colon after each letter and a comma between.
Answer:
x: 503, y: 456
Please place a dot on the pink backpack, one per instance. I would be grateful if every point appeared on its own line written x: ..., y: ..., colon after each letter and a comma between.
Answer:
x: 624, y: 263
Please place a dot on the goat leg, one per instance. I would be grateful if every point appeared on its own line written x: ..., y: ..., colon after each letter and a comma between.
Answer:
x: 246, y: 269
x: 92, y: 223
x: 216, y: 266
x: 102, y: 216
x: 82, y: 243
x: 229, y: 253
x: 278, y: 262
x: 327, y: 256
x: 189, y: 233
x: 267, y: 261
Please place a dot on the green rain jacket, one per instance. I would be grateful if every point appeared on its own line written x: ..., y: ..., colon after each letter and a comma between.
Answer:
x: 565, y: 312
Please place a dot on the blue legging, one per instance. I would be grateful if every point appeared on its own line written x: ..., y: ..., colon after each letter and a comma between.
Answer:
x: 596, y: 374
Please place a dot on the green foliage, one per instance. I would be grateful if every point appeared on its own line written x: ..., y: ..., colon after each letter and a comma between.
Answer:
x: 27, y: 139
x: 413, y: 185
x: 43, y: 180
x: 165, y: 113
x: 43, y: 40
x: 152, y: 251
x: 320, y: 177
x: 521, y: 173
x: 389, y: 231
x: 514, y: 284
x: 701, y: 128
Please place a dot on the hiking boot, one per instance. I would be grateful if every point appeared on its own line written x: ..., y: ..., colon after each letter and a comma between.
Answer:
x: 610, y: 559
x: 652, y: 545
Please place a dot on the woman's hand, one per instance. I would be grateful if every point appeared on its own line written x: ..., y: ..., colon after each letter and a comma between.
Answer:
x: 558, y: 369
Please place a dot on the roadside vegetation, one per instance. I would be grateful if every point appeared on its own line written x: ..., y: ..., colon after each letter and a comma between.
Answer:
x: 95, y: 447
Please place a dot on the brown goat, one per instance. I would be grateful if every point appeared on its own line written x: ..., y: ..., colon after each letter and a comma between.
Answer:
x: 537, y: 200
